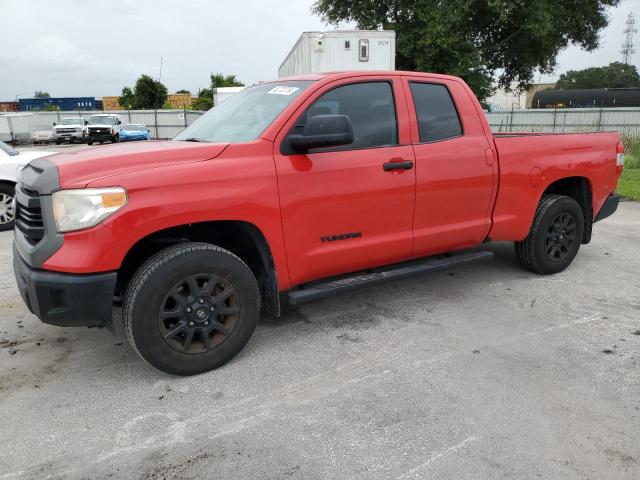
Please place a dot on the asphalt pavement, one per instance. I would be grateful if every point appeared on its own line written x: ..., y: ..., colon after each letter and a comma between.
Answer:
x: 485, y: 371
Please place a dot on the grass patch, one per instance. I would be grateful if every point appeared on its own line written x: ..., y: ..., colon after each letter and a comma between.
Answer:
x: 629, y: 183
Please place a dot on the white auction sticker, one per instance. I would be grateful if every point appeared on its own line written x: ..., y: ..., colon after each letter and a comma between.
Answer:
x: 282, y: 90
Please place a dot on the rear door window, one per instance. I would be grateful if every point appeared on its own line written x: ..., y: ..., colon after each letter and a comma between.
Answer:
x: 437, y: 115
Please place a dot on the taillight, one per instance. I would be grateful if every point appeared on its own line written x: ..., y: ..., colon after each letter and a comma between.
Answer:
x: 619, y: 158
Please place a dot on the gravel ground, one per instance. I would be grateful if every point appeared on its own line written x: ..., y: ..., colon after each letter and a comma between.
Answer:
x: 484, y: 371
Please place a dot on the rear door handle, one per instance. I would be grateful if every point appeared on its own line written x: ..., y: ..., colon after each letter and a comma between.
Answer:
x: 405, y: 165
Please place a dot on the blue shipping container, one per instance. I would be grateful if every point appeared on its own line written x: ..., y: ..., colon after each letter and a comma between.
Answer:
x: 65, y: 104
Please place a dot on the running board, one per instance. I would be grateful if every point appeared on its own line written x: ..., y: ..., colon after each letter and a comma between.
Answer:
x: 314, y: 291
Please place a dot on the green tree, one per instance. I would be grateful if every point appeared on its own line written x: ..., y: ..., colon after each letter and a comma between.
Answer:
x: 126, y: 99
x: 478, y: 40
x: 204, y: 100
x: 147, y: 93
x: 615, y: 75
x: 219, y: 80
x: 41, y: 94
x: 183, y: 91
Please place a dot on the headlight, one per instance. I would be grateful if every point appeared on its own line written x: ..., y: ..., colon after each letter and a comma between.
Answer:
x: 80, y: 209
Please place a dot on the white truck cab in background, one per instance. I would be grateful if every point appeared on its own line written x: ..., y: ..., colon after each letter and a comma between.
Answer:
x: 103, y: 127
x: 69, y: 129
x: 341, y: 50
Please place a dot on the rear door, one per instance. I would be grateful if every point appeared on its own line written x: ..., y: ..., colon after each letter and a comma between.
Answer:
x: 456, y: 174
x: 348, y: 208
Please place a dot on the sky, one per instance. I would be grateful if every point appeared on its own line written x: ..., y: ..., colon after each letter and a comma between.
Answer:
x: 89, y: 48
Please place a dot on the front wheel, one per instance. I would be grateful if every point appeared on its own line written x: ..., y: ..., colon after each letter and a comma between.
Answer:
x: 116, y: 138
x: 7, y: 211
x: 555, y: 236
x: 191, y: 308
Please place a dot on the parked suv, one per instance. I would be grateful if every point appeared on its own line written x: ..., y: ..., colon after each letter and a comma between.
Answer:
x: 69, y: 130
x: 103, y: 127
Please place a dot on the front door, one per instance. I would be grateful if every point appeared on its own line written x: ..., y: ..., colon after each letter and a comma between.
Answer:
x: 349, y: 208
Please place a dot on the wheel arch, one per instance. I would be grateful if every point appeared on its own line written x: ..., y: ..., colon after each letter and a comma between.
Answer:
x: 242, y: 238
x: 580, y: 189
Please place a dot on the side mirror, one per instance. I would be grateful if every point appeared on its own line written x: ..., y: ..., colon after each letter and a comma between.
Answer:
x: 148, y: 131
x: 86, y: 122
x: 119, y: 122
x: 323, y: 131
x: 54, y: 124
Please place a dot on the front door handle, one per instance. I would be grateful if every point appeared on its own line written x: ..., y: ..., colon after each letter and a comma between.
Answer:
x: 405, y: 165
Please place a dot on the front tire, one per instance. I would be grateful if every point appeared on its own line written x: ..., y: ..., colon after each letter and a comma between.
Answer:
x: 191, y: 308
x: 116, y: 138
x: 555, y: 236
x: 7, y: 212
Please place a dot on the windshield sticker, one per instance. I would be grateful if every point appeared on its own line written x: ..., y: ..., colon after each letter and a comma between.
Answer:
x: 282, y: 90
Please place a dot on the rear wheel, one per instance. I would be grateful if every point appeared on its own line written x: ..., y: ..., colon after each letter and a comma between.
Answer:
x: 7, y: 209
x: 555, y: 236
x: 191, y: 308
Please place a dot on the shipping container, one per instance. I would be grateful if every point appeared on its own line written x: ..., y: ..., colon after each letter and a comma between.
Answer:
x: 8, y: 106
x: 341, y: 50
x: 64, y: 104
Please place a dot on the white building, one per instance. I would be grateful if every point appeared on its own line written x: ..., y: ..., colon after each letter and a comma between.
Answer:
x: 341, y: 50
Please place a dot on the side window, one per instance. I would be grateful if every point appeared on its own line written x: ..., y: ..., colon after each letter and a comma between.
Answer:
x: 437, y: 115
x: 370, y: 107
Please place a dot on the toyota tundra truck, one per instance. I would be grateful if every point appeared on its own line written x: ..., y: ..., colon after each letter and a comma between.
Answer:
x: 291, y: 191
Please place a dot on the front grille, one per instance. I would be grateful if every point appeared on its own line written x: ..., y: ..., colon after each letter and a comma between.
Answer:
x: 65, y: 130
x: 29, y: 216
x: 99, y: 130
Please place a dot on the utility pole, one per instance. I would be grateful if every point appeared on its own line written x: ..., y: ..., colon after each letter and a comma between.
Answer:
x: 627, y: 45
x: 160, y: 76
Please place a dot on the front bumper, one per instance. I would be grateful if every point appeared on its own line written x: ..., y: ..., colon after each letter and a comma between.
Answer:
x: 99, y: 136
x: 64, y: 299
x: 68, y: 136
x: 609, y: 208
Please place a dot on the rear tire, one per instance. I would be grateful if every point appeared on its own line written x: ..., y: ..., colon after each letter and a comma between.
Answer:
x: 555, y: 236
x: 7, y: 212
x: 191, y: 308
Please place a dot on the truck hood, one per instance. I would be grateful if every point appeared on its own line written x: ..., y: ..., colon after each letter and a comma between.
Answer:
x: 75, y: 125
x: 85, y: 165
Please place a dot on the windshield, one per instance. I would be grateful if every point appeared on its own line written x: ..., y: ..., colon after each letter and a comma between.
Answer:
x: 101, y: 120
x: 71, y: 121
x: 245, y: 115
x: 7, y: 149
x: 130, y: 127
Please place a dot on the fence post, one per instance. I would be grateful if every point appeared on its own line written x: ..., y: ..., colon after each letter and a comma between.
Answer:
x: 511, y: 119
x: 555, y: 114
x: 129, y: 114
x: 184, y: 114
x: 155, y: 121
x: 600, y: 117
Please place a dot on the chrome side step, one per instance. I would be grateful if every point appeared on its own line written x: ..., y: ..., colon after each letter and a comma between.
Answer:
x: 314, y: 291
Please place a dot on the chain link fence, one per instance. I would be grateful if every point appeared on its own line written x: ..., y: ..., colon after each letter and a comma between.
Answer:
x: 18, y: 127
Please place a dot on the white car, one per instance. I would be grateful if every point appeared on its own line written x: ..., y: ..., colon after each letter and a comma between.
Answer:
x: 11, y: 162
x: 42, y: 134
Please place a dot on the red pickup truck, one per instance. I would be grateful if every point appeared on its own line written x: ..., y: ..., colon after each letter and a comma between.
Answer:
x: 297, y: 188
